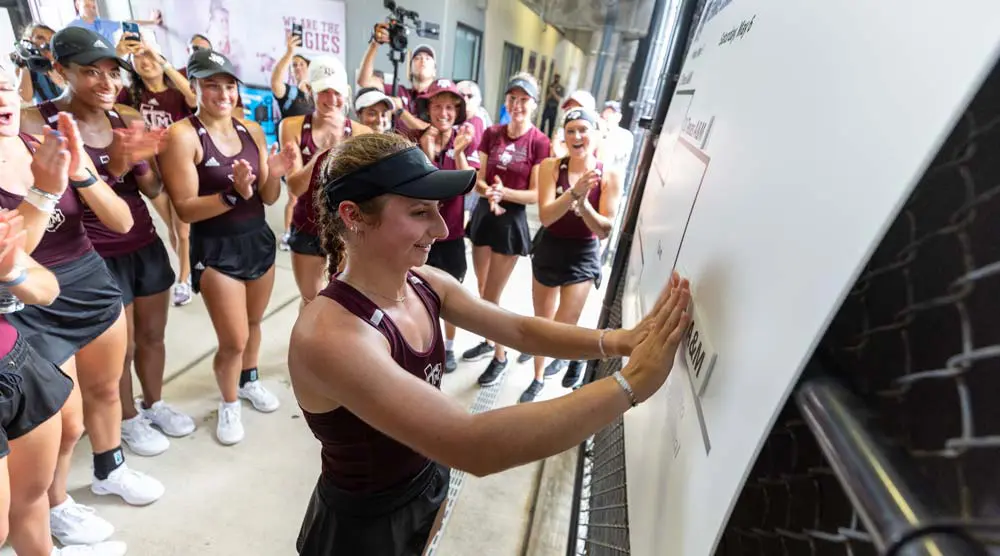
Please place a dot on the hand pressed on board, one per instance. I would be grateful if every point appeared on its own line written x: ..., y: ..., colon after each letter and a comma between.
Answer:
x: 243, y: 178
x: 12, y: 239
x: 652, y: 344
x: 50, y: 163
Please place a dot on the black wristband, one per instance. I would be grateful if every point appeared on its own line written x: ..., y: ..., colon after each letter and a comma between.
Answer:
x: 84, y: 183
x: 230, y: 197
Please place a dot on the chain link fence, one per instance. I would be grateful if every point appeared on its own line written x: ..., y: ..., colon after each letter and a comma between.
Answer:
x: 918, y: 340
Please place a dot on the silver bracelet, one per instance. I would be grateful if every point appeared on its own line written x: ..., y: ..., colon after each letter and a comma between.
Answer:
x: 626, y: 387
x: 600, y: 343
x: 40, y: 202
x: 46, y: 194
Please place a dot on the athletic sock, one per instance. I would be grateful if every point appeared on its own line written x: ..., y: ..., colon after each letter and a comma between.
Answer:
x: 449, y: 344
x: 247, y: 376
x: 106, y: 462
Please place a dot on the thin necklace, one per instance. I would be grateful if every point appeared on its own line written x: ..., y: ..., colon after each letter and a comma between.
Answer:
x: 399, y: 299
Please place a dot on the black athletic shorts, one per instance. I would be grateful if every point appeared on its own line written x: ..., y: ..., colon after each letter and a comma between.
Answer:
x: 507, y: 234
x: 449, y: 256
x: 143, y: 272
x: 32, y: 390
x: 304, y: 243
x: 89, y: 303
x: 244, y: 256
x: 557, y: 261
x: 394, y: 523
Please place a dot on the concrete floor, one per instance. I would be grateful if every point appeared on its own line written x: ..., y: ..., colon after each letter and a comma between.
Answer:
x: 249, y: 499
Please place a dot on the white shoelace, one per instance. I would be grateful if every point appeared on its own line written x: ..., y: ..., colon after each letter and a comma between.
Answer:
x: 228, y: 416
x: 76, y: 512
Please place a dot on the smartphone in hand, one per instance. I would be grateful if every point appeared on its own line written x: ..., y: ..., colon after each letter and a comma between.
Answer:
x: 130, y: 31
x: 297, y: 30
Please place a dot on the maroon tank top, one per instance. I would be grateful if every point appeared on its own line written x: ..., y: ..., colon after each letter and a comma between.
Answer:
x: 107, y: 242
x: 304, y: 214
x: 356, y: 456
x: 215, y: 175
x: 571, y: 226
x: 65, y: 238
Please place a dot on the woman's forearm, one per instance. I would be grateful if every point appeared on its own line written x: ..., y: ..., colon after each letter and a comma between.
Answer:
x: 523, y: 433
x: 270, y: 190
x: 549, y: 213
x: 196, y: 209
x: 597, y: 222
x: 521, y: 197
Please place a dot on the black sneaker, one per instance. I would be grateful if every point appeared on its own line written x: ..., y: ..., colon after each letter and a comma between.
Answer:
x: 555, y: 367
x: 449, y: 361
x: 532, y: 392
x: 524, y: 358
x: 478, y: 352
x: 573, y: 374
x: 493, y: 373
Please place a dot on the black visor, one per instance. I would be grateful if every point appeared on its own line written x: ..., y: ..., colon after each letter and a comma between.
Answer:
x: 524, y: 85
x: 407, y: 173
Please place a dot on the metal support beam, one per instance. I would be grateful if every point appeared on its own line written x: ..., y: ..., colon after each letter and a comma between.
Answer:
x: 605, y: 53
x: 880, y: 480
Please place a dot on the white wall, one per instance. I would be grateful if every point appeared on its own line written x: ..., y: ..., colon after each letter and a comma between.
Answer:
x: 513, y: 22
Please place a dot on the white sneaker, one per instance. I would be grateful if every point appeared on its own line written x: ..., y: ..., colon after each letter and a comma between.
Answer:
x: 261, y: 398
x: 168, y: 419
x: 136, y: 488
x: 114, y: 548
x: 73, y: 523
x: 140, y: 437
x: 229, y: 430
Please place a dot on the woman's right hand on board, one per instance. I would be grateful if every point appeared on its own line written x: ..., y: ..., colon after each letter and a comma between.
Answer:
x: 654, y: 341
x: 50, y: 163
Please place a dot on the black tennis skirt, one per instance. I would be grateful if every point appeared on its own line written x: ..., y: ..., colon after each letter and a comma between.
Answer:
x: 394, y: 523
x: 89, y: 303
x: 304, y: 243
x: 245, y: 256
x: 507, y: 234
x: 557, y: 261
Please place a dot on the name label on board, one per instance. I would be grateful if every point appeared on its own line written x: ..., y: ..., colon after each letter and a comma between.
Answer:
x: 699, y: 351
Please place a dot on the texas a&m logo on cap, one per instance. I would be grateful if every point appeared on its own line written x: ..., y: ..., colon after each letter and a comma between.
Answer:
x: 217, y: 59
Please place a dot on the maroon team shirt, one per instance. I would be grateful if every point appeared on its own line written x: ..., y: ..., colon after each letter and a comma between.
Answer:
x: 453, y: 210
x: 513, y: 159
x: 158, y: 110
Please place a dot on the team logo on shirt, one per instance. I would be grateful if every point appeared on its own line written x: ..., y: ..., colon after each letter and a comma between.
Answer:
x: 55, y: 220
x: 153, y: 116
x: 432, y: 374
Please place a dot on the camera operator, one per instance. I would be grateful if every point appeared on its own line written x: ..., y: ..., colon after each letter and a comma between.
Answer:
x: 411, y: 110
x: 44, y: 82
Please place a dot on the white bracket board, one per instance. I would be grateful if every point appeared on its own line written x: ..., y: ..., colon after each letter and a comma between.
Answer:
x: 796, y: 133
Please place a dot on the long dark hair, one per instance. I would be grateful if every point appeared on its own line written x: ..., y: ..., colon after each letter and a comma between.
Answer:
x: 137, y: 86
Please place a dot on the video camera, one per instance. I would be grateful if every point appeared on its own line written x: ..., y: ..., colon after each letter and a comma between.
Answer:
x: 398, y: 30
x: 27, y: 55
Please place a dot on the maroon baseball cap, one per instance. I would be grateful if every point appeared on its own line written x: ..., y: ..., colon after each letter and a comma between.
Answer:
x: 442, y: 86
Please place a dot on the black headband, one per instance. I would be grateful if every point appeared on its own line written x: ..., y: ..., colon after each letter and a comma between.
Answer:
x: 580, y: 114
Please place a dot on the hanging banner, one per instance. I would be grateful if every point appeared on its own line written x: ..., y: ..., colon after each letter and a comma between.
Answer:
x: 251, y: 33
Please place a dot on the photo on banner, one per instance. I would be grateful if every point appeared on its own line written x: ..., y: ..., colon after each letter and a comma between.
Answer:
x: 252, y: 33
